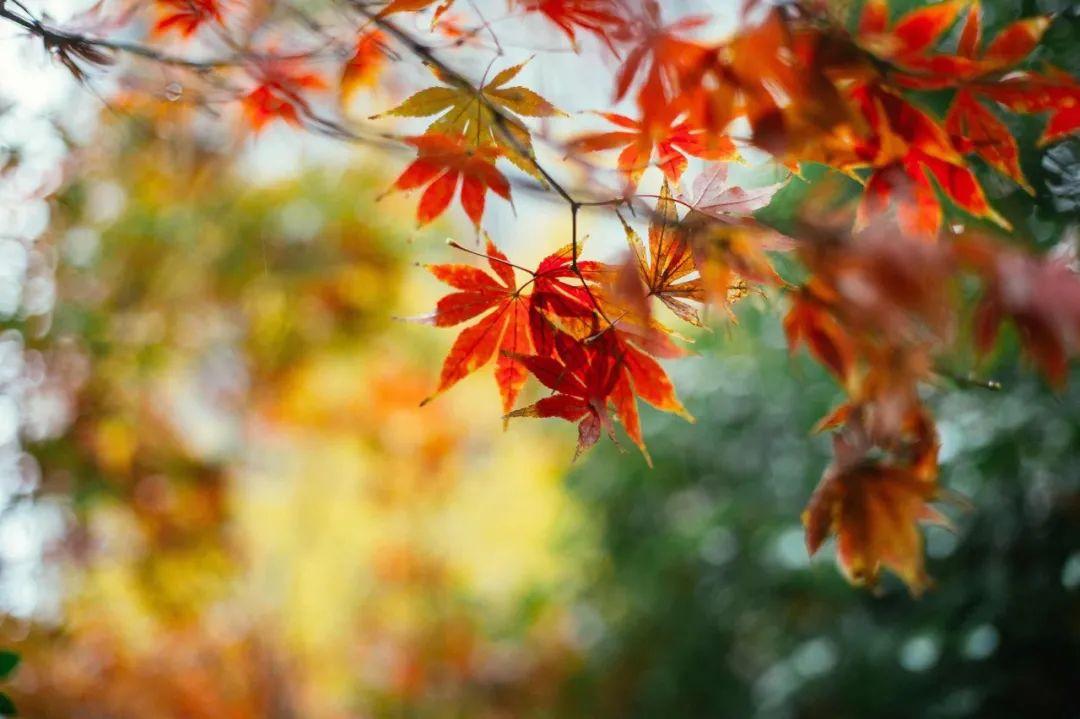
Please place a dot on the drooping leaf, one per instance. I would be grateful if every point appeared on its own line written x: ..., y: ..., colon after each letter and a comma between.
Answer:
x: 874, y: 510
x: 365, y: 65
x: 583, y: 376
x: 1041, y: 297
x: 809, y: 322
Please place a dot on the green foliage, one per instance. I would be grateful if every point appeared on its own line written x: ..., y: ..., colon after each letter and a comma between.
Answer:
x: 9, y: 661
x: 705, y: 604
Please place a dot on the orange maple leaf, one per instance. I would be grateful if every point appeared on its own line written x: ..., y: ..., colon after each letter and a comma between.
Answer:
x: 185, y: 16
x: 503, y: 330
x: 810, y: 321
x: 282, y: 84
x: 667, y: 265
x: 367, y: 61
x: 599, y: 17
x: 670, y: 138
x: 874, y: 511
x: 874, y: 506
x: 442, y: 162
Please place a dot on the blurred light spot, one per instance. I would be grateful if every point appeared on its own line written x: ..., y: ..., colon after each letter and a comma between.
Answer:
x: 81, y: 245
x: 940, y: 543
x: 815, y: 657
x: 789, y: 549
x: 105, y: 201
x: 919, y: 653
x: 39, y: 294
x: 688, y: 509
x: 951, y: 439
x: 589, y: 626
x: 981, y: 642
x: 28, y: 219
x: 718, y: 546
x: 775, y: 685
x: 301, y: 220
x: 9, y: 420
x: 1070, y: 571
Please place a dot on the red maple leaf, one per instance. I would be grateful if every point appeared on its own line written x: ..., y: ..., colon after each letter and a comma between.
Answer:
x: 583, y: 377
x: 599, y: 17
x: 363, y: 68
x: 661, y: 57
x: 670, y: 138
x: 444, y: 161
x: 282, y: 84
x: 185, y: 16
x: 502, y: 331
x: 874, y: 505
x: 1042, y: 297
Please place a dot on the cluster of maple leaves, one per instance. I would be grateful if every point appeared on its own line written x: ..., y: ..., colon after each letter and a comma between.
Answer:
x: 880, y: 302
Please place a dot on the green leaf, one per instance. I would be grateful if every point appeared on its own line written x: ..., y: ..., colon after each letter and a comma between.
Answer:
x: 8, y: 662
x: 7, y: 707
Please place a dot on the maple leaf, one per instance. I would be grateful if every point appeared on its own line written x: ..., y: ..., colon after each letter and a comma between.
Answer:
x: 396, y: 6
x: 1054, y: 93
x: 810, y: 321
x: 561, y: 302
x: 641, y: 376
x: 576, y: 302
x: 671, y: 137
x: 280, y: 92
x: 776, y: 75
x: 442, y: 161
x: 591, y: 377
x: 712, y: 197
x: 583, y: 376
x: 977, y: 72
x: 1042, y: 297
x: 599, y: 17
x: 874, y: 510
x: 885, y: 286
x: 363, y: 68
x: 729, y: 256
x: 912, y: 35
x: 976, y: 129
x: 666, y: 266
x: 874, y: 502
x: 973, y: 126
x: 503, y: 329
x: 185, y: 16
x: 647, y: 377
x: 662, y: 58
x: 907, y: 148
x: 468, y: 112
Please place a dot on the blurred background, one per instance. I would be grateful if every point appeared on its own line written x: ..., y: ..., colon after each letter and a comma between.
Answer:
x: 220, y: 497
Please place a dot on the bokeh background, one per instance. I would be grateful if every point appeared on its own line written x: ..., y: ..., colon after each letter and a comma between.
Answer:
x: 221, y: 497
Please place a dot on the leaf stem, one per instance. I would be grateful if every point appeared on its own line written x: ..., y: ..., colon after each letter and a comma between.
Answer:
x: 488, y: 257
